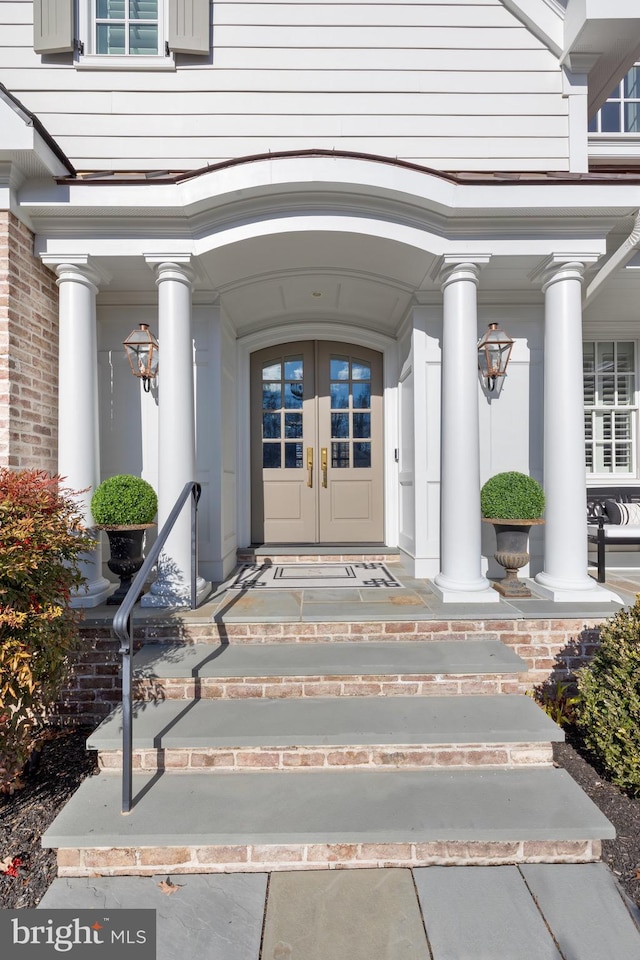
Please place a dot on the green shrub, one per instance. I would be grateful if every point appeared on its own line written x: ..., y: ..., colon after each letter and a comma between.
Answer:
x: 124, y: 500
x: 41, y: 538
x: 608, y: 708
x: 512, y: 496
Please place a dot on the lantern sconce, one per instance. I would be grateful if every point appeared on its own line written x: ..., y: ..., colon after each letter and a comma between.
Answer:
x: 494, y: 351
x: 142, y: 353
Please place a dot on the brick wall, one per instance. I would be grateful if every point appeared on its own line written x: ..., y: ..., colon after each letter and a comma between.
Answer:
x: 28, y: 352
x: 552, y: 650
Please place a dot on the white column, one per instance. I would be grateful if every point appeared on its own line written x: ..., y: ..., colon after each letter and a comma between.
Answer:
x: 565, y: 576
x: 460, y: 579
x: 176, y: 434
x: 78, y: 437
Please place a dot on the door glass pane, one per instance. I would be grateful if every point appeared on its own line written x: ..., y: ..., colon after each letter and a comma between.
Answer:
x: 271, y: 396
x: 362, y: 454
x: 362, y: 424
x: 293, y: 455
x: 362, y: 396
x: 271, y: 455
x: 360, y: 371
x: 292, y: 425
x: 339, y: 455
x: 293, y: 393
x: 340, y: 396
x: 272, y: 372
x: 293, y: 369
x: 339, y: 369
x: 339, y: 424
x: 271, y: 426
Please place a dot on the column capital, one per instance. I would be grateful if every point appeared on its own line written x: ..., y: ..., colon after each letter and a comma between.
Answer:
x: 563, y: 266
x: 168, y: 267
x: 77, y: 269
x: 453, y: 267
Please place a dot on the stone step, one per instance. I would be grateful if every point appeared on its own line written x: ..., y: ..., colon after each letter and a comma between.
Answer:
x: 320, y: 819
x: 274, y: 670
x: 415, y: 732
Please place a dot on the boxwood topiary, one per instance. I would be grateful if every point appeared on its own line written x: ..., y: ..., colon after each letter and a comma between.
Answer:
x: 608, y: 703
x: 124, y: 500
x: 512, y: 496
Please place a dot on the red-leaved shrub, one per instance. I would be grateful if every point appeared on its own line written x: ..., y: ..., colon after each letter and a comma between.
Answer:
x: 41, y: 538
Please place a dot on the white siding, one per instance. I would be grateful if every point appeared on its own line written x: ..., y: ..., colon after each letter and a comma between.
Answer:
x: 459, y: 84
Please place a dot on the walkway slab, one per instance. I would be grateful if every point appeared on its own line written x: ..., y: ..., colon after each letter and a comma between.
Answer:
x: 482, y: 913
x: 331, y: 721
x: 330, y: 807
x: 344, y: 915
x: 327, y: 659
x: 584, y: 908
x: 470, y: 913
x: 209, y: 917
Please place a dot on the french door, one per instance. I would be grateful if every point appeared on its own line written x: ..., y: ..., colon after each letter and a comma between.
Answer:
x: 316, y: 444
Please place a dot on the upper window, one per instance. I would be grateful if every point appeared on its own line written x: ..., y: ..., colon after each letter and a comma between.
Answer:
x: 126, y: 28
x: 610, y: 407
x: 122, y: 33
x: 621, y: 112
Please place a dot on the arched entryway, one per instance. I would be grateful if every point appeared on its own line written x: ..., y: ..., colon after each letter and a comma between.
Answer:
x: 317, y: 444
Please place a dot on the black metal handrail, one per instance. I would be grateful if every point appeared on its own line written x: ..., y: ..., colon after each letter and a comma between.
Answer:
x: 123, y: 626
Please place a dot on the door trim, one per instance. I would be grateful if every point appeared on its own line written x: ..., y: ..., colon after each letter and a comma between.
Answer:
x: 317, y: 330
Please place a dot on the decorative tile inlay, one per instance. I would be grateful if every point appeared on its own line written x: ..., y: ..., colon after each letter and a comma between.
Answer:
x: 299, y: 576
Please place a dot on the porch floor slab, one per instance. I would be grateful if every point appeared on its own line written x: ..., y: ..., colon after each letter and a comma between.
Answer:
x: 441, y: 657
x: 322, y: 807
x: 387, y: 913
x: 331, y: 721
x: 415, y: 600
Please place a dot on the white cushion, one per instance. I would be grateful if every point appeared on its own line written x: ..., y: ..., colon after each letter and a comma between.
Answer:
x: 628, y: 531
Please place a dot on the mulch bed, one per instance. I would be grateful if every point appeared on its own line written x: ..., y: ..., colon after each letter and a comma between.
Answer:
x: 25, y: 815
x: 65, y: 763
x: 622, y: 854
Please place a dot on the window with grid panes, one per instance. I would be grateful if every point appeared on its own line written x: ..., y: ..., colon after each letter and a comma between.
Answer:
x: 610, y: 407
x: 621, y: 112
x: 127, y: 27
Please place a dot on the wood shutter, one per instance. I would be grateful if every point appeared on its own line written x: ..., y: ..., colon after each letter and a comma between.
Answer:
x: 53, y: 26
x: 189, y: 26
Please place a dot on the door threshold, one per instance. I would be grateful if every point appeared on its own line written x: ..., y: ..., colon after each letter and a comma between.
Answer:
x: 317, y: 550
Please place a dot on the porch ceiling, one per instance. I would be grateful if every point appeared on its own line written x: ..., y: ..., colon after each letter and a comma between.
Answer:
x: 362, y: 280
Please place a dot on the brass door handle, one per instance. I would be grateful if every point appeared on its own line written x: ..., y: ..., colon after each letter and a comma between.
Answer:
x: 310, y: 466
x: 323, y: 465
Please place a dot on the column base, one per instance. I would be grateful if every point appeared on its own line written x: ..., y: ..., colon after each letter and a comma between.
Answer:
x: 464, y: 591
x: 171, y: 592
x: 92, y: 594
x: 584, y: 590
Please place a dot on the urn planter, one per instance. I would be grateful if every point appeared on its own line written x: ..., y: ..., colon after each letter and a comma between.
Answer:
x: 124, y: 507
x: 126, y: 545
x: 512, y: 553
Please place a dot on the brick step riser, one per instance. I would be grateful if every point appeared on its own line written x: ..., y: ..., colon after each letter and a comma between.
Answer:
x: 400, y: 756
x: 148, y: 861
x: 239, y: 688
